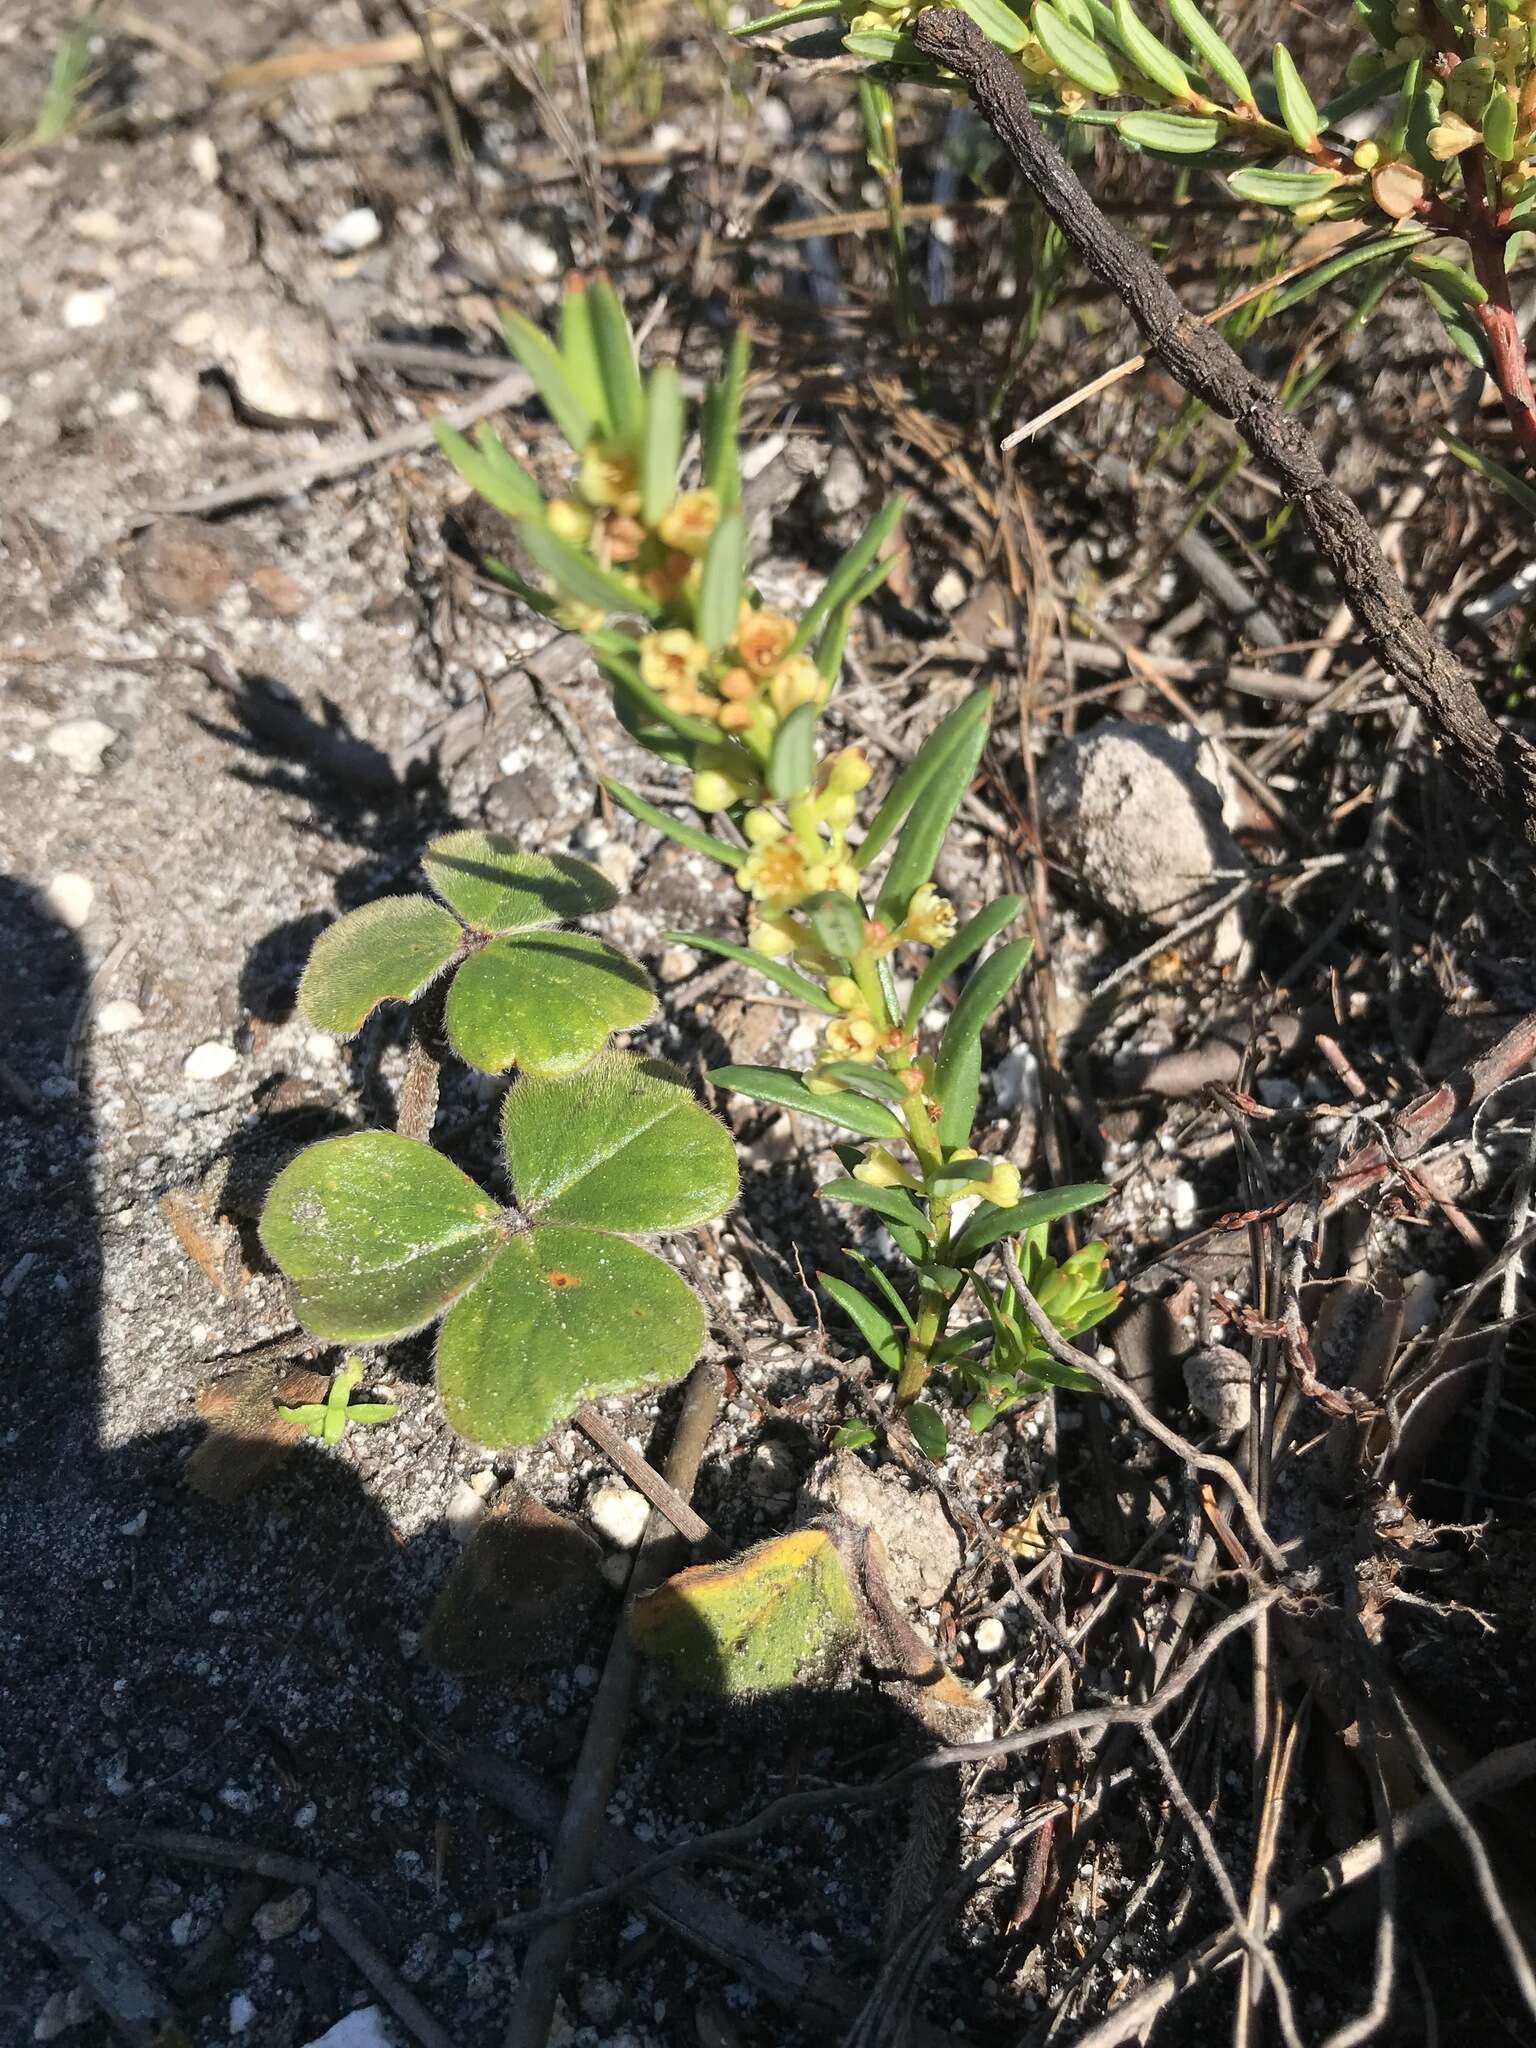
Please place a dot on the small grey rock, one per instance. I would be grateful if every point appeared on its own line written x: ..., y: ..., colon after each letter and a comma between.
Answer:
x: 922, y: 1549
x: 1136, y: 812
x: 1219, y: 1382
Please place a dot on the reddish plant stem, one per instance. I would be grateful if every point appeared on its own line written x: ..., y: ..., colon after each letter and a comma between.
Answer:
x: 1506, y: 347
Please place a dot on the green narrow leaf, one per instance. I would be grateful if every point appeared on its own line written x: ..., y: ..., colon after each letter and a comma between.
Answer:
x: 922, y: 836
x: 564, y: 1316
x: 663, y: 444
x: 1282, y: 188
x: 927, y: 1426
x: 623, y: 394
x: 1074, y: 54
x: 957, y: 1066
x: 877, y: 1329
x: 850, y: 570
x: 872, y: 1272
x: 1338, y: 266
x: 673, y: 828
x: 546, y: 1002
x: 1210, y: 49
x: 377, y: 1233
x: 623, y: 1146
x: 1463, y: 332
x: 788, y: 1091
x: 951, y: 733
x: 387, y: 951
x: 958, y: 1111
x: 834, y: 635
x: 722, y: 424
x: 951, y: 957
x: 817, y: 10
x: 1173, y: 134
x: 894, y: 1204
x: 792, y: 762
x: 580, y: 578
x: 538, y: 356
x: 646, y: 716
x: 501, y: 483
x: 1523, y: 493
x: 578, y: 353
x: 496, y: 888
x: 1501, y: 123
x: 1450, y: 279
x: 999, y: 24
x: 871, y: 1081
x: 1296, y: 108
x: 990, y: 1224
x: 778, y: 971
x: 1151, y: 58
x: 720, y: 585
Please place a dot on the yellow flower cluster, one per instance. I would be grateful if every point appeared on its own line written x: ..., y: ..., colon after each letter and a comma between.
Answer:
x: 880, y: 1168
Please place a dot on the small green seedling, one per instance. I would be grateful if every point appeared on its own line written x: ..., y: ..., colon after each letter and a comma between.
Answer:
x: 524, y: 991
x: 330, y: 1419
x: 550, y: 1301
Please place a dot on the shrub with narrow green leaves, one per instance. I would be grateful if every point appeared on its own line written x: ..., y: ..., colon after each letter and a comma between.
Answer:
x: 550, y: 1301
x: 645, y: 560
x: 1443, y: 186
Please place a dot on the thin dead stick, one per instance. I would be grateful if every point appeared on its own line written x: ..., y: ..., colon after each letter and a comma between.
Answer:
x: 1125, y: 1396
x: 1498, y: 765
x: 1107, y: 380
x: 1133, y: 2021
x: 377, y: 1970
x: 575, y: 1849
x: 644, y: 1477
x: 289, y: 478
x: 185, y: 1847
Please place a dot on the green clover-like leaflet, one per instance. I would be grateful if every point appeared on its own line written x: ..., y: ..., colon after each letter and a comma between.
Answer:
x: 524, y: 992
x: 543, y: 1307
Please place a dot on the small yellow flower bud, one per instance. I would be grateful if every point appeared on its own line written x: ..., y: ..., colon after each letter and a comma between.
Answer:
x: 847, y: 772
x: 1367, y: 156
x: 568, y: 521
x: 1004, y: 1187
x: 797, y: 681
x: 1451, y: 137
x: 844, y: 991
x: 713, y: 791
x: 839, y: 811
x: 774, y: 937
x: 762, y: 828
x: 736, y: 717
x: 881, y: 1168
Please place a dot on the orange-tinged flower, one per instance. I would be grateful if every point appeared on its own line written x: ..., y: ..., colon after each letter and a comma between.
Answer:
x: 737, y: 717
x: 622, y: 538
x: 690, y: 522
x: 672, y: 660
x: 762, y: 639
x: 737, y: 685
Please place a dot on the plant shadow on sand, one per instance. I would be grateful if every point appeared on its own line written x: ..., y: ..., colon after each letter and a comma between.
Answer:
x: 251, y: 1672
